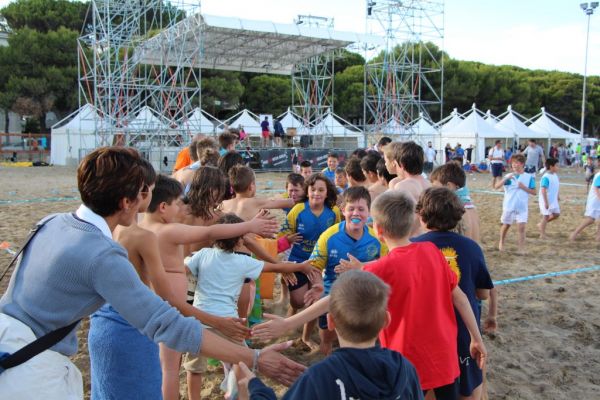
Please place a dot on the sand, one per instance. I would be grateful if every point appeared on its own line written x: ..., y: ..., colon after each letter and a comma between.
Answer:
x: 547, y: 344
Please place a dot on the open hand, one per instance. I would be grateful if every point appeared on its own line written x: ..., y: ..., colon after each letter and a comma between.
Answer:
x: 234, y: 328
x: 490, y: 325
x: 275, y: 327
x: 276, y: 366
x: 313, y: 294
x: 264, y: 224
x: 289, y: 278
x: 293, y: 238
x: 347, y: 265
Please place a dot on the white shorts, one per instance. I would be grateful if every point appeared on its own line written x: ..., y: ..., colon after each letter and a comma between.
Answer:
x: 49, y: 375
x: 594, y: 213
x: 549, y: 211
x: 510, y: 217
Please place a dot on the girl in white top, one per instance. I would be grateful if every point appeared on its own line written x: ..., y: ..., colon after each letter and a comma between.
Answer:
x: 548, y: 196
x: 592, y: 209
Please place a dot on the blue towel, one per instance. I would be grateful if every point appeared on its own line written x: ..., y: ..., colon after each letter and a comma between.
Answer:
x: 124, y: 363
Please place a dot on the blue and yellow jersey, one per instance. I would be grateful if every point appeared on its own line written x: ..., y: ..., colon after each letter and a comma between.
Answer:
x: 301, y: 220
x: 329, y: 174
x: 334, y: 245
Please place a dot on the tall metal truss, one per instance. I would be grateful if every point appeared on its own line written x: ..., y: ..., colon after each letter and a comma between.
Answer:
x: 119, y: 85
x: 406, y: 77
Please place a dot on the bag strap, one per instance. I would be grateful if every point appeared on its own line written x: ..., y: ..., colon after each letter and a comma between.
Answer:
x: 36, y: 347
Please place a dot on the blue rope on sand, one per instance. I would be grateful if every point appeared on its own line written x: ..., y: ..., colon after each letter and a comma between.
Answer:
x: 547, y: 275
x: 40, y: 200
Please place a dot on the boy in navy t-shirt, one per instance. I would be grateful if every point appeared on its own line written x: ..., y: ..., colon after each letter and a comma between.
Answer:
x: 359, y: 369
x: 440, y: 210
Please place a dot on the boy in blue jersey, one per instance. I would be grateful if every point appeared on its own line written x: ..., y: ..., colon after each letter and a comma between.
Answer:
x: 333, y: 161
x: 440, y: 210
x: 549, y: 197
x: 359, y: 369
x: 341, y: 180
x: 517, y: 186
x: 350, y: 237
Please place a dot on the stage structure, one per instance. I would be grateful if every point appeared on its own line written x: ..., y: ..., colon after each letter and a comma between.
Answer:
x: 406, y: 77
x: 139, y: 103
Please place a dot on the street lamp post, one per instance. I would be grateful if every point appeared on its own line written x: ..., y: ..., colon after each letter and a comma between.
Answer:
x: 588, y: 9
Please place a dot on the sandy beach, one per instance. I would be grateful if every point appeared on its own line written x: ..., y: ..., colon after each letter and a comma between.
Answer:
x: 547, y: 344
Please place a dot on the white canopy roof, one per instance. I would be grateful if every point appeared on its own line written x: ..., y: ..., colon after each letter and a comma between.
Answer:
x: 84, y: 120
x: 290, y: 120
x: 394, y: 127
x: 489, y: 118
x: 200, y: 122
x: 450, y: 122
x: 248, y: 120
x: 512, y: 124
x: 422, y: 127
x: 544, y: 124
x: 244, y: 45
x: 331, y: 125
x: 146, y: 120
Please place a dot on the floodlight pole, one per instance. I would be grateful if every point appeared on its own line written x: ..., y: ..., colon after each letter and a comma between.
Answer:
x: 588, y: 8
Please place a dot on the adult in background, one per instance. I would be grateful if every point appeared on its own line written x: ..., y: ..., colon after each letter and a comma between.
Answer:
x: 278, y: 132
x: 266, y: 133
x: 496, y: 157
x: 459, y: 153
x: 430, y: 154
x: 470, y: 153
x: 534, y: 153
x: 562, y: 155
x: 72, y: 267
x: 448, y: 152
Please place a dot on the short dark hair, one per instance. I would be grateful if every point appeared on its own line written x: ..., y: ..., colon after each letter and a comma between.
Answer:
x: 357, y: 193
x: 149, y: 172
x: 331, y: 190
x: 410, y: 156
x: 531, y: 140
x: 107, y: 175
x: 228, y: 244
x: 241, y: 177
x: 384, y: 141
x: 498, y: 141
x: 294, y: 179
x: 550, y: 162
x: 520, y: 158
x: 340, y: 170
x: 383, y: 171
x: 165, y: 190
x: 305, y: 164
x: 369, y: 162
x: 333, y: 155
x: 354, y: 171
x: 358, y: 305
x: 226, y: 139
x: 229, y: 160
x: 440, y: 208
x: 450, y: 172
x: 394, y: 212
x: 207, y: 190
x: 192, y: 150
x: 359, y: 153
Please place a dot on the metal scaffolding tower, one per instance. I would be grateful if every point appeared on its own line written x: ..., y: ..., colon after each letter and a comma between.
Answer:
x: 405, y: 78
x: 139, y: 103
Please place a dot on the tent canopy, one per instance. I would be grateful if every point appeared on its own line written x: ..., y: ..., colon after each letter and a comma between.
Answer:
x: 545, y: 125
x: 449, y: 122
x: 245, y: 45
x: 510, y: 123
x: 200, y: 121
x: 290, y: 120
x: 331, y: 125
x: 248, y: 120
x: 422, y: 127
x: 146, y: 120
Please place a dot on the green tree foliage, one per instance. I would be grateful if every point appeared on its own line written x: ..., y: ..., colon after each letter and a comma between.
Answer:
x: 221, y: 90
x: 268, y: 94
x: 46, y: 15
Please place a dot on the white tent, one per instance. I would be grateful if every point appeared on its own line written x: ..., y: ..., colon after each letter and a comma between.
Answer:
x: 511, y: 123
x: 545, y: 124
x: 248, y: 120
x: 146, y: 120
x: 290, y: 120
x: 394, y: 128
x: 199, y: 122
x: 332, y: 126
x: 490, y: 119
x: 474, y: 130
x: 450, y: 121
x: 75, y: 132
x: 422, y: 131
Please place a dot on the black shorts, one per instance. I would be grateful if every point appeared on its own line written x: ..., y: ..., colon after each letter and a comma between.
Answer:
x: 278, y: 134
x: 447, y: 392
x: 323, y: 321
x: 302, y: 280
x: 497, y: 170
x: 530, y: 169
x: 427, y: 167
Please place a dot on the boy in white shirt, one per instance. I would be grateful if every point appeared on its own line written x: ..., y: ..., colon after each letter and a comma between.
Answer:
x: 592, y: 209
x: 517, y: 186
x: 549, y: 197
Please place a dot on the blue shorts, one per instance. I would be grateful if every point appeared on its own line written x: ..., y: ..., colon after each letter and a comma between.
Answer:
x: 323, y: 321
x: 302, y: 280
x: 497, y: 170
x: 470, y: 374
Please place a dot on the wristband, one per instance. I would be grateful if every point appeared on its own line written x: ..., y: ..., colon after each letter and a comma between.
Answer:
x: 255, y: 360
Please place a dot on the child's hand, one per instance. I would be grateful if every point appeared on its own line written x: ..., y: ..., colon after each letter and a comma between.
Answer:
x: 293, y: 238
x: 347, y: 265
x: 314, y: 275
x: 478, y: 352
x: 233, y: 328
x: 289, y: 278
x: 490, y: 325
x: 274, y: 328
x: 264, y: 224
x: 313, y: 294
x: 243, y: 375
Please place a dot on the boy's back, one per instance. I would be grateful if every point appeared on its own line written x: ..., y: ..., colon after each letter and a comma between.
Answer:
x: 423, y: 324
x: 372, y: 373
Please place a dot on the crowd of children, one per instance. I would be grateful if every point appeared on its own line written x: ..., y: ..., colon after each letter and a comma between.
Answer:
x: 382, y: 258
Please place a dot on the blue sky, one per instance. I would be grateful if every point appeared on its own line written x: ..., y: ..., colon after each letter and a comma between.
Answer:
x: 547, y: 34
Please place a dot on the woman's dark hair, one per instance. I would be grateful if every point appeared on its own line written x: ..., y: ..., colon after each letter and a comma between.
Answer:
x: 331, y: 199
x: 107, y: 175
x: 207, y: 189
x: 228, y: 244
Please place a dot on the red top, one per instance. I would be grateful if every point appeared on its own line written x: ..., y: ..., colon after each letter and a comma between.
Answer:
x: 423, y: 324
x: 183, y: 159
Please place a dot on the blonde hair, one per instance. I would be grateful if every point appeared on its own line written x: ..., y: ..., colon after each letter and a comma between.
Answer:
x: 394, y: 212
